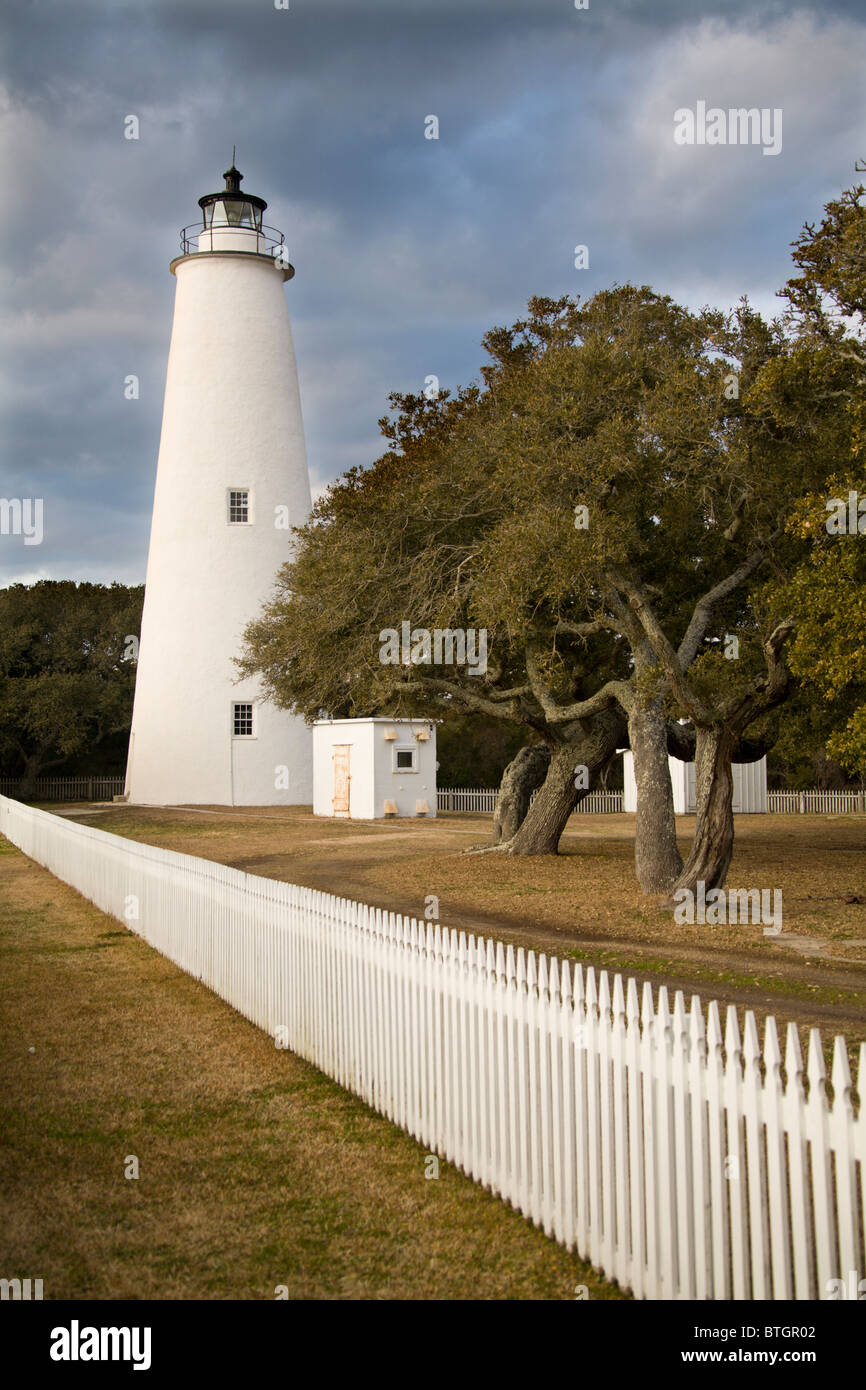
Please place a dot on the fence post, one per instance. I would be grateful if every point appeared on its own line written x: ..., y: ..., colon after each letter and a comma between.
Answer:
x: 802, y: 803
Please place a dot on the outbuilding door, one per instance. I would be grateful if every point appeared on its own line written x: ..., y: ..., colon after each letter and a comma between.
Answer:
x: 342, y: 779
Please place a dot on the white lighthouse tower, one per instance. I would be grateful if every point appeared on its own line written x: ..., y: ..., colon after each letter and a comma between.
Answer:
x: 231, y: 478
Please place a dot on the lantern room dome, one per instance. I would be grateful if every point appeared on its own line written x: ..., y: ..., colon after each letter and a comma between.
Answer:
x: 231, y: 207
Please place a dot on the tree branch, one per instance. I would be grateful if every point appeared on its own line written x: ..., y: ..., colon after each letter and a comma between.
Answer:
x: 660, y: 645
x: 703, y: 609
x: 422, y: 684
x: 563, y: 714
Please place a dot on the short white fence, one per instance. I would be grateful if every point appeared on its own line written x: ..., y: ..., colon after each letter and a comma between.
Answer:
x: 816, y: 801
x: 479, y: 799
x: 675, y: 1158
x: 484, y: 799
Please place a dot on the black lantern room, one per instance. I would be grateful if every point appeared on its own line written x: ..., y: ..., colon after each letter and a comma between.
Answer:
x: 231, y: 207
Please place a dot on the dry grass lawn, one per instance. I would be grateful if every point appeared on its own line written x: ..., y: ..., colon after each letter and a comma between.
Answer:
x: 583, y: 903
x: 255, y: 1170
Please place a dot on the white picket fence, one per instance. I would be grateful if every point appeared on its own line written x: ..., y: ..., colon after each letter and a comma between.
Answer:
x: 816, y: 801
x: 479, y: 799
x: 674, y: 1158
x: 484, y: 799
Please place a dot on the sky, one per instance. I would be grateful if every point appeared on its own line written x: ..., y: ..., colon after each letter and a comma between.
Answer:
x: 555, y: 130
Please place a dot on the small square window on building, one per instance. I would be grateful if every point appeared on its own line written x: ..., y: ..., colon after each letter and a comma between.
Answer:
x: 405, y: 760
x: 242, y: 720
x: 239, y: 505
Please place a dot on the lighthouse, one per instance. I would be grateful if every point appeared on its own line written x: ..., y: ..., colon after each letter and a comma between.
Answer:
x: 231, y: 481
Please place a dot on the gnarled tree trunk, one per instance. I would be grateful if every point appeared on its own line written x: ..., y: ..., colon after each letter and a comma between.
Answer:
x: 713, y: 845
x: 656, y: 857
x: 34, y: 765
x: 547, y: 817
x: 591, y: 746
x: 523, y: 775
x: 717, y: 741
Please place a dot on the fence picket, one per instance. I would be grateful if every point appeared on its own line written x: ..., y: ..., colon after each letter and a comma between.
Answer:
x: 546, y: 1137
x: 699, y: 1150
x: 655, y: 1284
x: 753, y: 1122
x: 620, y: 1252
x: 636, y: 1141
x: 607, y: 1188
x: 778, y: 1210
x: 682, y: 1148
x: 822, y: 1191
x: 841, y: 1125
x: 735, y: 1158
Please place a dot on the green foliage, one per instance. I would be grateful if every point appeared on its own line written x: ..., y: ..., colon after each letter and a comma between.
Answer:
x: 799, y: 758
x: 832, y: 261
x: 827, y: 594
x: 823, y: 388
x: 474, y: 751
x: 621, y: 405
x: 64, y: 686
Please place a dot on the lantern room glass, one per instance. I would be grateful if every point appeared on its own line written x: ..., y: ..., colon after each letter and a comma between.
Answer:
x: 232, y: 212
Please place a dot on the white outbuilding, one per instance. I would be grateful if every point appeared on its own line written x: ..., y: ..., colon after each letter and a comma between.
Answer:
x: 370, y: 769
x: 750, y: 786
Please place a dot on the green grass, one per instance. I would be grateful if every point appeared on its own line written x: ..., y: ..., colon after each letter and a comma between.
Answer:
x: 255, y: 1169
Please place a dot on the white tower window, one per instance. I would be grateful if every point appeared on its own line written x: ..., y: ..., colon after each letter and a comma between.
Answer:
x: 239, y: 506
x: 242, y: 720
x: 405, y: 760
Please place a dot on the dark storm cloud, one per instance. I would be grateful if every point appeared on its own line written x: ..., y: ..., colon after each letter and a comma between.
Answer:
x: 555, y: 129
